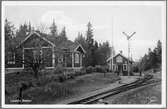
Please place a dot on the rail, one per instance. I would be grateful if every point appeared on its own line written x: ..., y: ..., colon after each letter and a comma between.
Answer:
x: 138, y: 83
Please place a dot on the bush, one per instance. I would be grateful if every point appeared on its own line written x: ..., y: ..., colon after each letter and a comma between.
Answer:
x: 89, y: 69
x: 93, y: 69
x: 71, y: 76
x: 59, y: 69
x: 83, y: 70
x: 62, y: 78
x: 135, y: 69
x: 43, y: 80
x: 101, y: 69
x: 77, y: 73
x: 131, y: 74
x: 46, y: 72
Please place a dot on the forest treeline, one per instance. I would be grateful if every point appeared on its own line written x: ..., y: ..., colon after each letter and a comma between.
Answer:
x: 96, y: 53
x: 151, y: 60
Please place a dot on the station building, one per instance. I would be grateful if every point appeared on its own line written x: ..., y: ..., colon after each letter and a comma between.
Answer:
x: 67, y: 53
x: 120, y: 64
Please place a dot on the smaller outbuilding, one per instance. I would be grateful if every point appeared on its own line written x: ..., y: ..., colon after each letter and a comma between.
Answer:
x: 120, y: 64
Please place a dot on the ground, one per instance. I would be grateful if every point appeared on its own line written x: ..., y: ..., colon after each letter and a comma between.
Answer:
x: 148, y: 95
x: 49, y: 90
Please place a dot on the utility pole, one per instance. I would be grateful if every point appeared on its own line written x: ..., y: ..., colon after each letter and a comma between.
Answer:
x: 128, y: 38
x: 112, y: 50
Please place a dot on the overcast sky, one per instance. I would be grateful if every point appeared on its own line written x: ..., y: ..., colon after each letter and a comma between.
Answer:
x: 144, y: 19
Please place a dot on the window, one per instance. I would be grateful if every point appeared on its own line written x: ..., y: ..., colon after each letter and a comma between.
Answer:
x: 114, y: 67
x: 119, y: 59
x: 69, y: 60
x: 47, y: 57
x: 11, y: 58
x: 125, y: 67
x: 76, y: 58
x: 37, y: 55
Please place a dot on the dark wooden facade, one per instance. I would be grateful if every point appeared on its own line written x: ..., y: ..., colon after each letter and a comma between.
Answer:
x: 68, y: 55
x: 120, y: 64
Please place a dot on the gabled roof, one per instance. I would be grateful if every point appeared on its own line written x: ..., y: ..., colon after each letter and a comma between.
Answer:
x: 119, y: 54
x: 37, y: 34
x: 79, y: 45
x: 70, y: 46
x: 55, y: 42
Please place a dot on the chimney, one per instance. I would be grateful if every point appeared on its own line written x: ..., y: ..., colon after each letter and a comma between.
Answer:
x: 120, y: 51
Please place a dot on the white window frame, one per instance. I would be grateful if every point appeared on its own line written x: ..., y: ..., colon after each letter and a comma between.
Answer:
x: 12, y: 59
x: 125, y: 67
x: 77, y: 61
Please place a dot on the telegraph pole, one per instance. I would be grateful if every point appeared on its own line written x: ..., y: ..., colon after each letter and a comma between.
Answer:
x: 112, y: 43
x: 128, y: 38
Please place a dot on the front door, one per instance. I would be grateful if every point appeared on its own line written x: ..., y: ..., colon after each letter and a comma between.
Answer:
x: 28, y: 57
x: 120, y: 69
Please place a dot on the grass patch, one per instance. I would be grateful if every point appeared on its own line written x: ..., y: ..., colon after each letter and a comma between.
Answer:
x: 49, y: 90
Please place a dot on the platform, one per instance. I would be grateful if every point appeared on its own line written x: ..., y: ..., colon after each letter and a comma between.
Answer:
x: 124, y: 80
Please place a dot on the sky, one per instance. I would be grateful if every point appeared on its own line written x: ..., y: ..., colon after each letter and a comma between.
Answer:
x: 108, y: 19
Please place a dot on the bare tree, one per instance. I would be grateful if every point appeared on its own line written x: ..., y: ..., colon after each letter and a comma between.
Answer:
x: 33, y: 60
x: 42, y: 28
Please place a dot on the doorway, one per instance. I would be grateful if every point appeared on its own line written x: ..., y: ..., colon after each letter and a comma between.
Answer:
x: 120, y: 69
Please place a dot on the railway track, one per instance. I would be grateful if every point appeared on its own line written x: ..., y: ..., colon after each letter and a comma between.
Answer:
x: 138, y: 83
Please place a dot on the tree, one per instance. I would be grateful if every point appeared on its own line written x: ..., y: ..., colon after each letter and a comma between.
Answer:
x: 158, y: 51
x: 9, y: 34
x: 143, y: 65
x: 10, y: 41
x: 63, y: 34
x: 53, y: 29
x: 90, y: 43
x: 30, y: 28
x: 81, y: 40
x: 23, y: 31
x: 94, y: 54
x: 33, y: 60
x: 103, y: 53
x: 89, y: 35
x: 152, y: 59
x: 9, y: 30
x: 96, y: 45
x: 42, y: 28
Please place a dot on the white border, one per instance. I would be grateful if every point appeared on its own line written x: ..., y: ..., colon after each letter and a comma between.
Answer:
x: 163, y: 96
x: 98, y: 3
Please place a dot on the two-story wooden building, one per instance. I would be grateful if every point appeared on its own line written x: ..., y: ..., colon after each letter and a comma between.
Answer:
x: 120, y: 64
